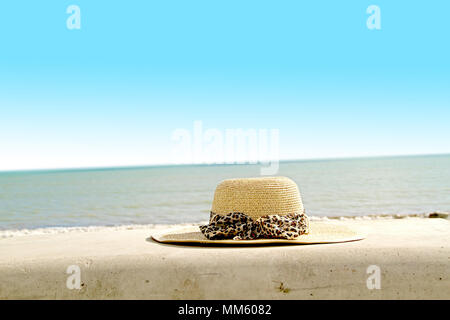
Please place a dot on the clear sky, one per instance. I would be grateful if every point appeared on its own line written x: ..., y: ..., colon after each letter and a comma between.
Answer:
x: 113, y: 92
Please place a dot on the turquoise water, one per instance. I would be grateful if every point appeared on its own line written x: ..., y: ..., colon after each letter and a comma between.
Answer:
x: 178, y: 194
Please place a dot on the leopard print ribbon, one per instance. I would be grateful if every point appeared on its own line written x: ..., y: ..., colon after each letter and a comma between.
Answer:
x: 239, y: 226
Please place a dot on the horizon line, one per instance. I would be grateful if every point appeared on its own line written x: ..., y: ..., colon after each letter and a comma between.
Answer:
x: 144, y: 166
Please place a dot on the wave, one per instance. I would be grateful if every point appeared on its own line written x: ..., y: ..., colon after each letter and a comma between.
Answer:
x: 56, y: 230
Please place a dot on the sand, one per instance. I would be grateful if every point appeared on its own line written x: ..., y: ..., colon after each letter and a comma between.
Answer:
x: 412, y: 254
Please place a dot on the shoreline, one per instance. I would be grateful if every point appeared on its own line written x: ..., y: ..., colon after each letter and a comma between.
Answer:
x: 9, y: 233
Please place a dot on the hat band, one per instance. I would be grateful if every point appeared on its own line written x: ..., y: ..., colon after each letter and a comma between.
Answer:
x: 239, y: 226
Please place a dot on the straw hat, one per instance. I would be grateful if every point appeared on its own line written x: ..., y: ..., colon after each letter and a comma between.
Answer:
x: 259, y: 211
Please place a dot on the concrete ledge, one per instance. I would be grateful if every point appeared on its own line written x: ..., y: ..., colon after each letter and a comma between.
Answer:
x: 413, y: 255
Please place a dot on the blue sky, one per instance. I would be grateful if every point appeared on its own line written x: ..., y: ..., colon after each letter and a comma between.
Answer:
x: 113, y: 92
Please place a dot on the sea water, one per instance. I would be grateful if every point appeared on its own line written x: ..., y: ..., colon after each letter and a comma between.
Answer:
x: 183, y: 194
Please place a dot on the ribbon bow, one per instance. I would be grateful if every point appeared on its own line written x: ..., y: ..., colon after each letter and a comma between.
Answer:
x: 239, y: 226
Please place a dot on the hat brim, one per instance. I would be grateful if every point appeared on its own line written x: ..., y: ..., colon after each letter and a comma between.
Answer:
x: 320, y: 232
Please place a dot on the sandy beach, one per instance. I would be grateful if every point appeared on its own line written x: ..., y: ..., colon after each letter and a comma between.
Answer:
x: 412, y: 254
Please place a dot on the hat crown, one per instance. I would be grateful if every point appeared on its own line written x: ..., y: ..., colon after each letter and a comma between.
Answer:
x: 257, y: 197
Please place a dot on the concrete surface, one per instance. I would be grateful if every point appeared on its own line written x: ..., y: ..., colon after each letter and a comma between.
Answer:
x: 413, y: 256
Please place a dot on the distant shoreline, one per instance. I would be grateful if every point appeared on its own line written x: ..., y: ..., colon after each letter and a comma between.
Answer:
x: 149, y: 166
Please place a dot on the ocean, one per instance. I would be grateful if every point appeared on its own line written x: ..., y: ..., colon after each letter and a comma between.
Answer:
x: 183, y: 194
